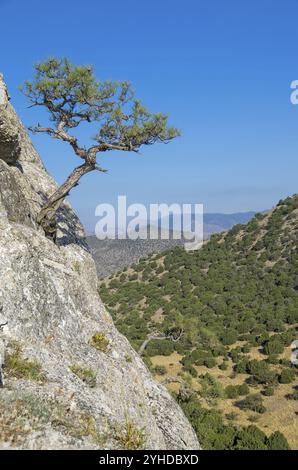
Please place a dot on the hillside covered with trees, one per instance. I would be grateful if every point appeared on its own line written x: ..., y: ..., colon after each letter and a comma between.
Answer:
x: 218, y: 325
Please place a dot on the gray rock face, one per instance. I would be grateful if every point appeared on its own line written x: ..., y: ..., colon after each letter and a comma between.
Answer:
x: 48, y: 295
x: 9, y: 138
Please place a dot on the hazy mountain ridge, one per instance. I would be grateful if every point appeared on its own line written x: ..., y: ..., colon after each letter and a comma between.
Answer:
x: 113, y: 255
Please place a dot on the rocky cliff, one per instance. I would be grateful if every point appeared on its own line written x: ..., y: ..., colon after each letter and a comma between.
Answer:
x: 71, y: 380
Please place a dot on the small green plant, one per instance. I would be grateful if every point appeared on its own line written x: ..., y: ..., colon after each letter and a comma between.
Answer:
x: 287, y: 376
x: 100, y: 341
x: 76, y: 266
x: 252, y: 402
x: 20, y: 368
x: 159, y: 370
x: 128, y: 358
x: 75, y: 425
x: 268, y: 391
x: 223, y: 366
x: 253, y: 418
x: 130, y: 437
x: 26, y: 412
x: 232, y: 416
x: 86, y: 375
x: 277, y: 441
x: 12, y: 218
x: 211, y: 389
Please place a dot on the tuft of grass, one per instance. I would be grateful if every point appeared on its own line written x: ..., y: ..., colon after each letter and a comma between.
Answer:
x: 130, y: 437
x: 16, y: 366
x: 20, y: 414
x: 77, y: 426
x: 23, y: 413
x: 128, y: 358
x: 99, y: 341
x: 12, y: 424
x: 253, y: 418
x: 86, y: 375
x: 232, y: 416
x: 159, y: 370
x: 76, y: 266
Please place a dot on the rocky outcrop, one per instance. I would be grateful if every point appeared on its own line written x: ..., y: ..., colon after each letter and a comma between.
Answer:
x: 9, y: 137
x: 71, y: 380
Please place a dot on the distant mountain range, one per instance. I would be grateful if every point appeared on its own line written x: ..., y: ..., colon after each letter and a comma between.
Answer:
x: 215, y: 223
x: 114, y: 255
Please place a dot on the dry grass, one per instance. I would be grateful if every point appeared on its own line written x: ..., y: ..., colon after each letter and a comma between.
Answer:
x: 13, y: 428
x: 281, y: 413
x: 158, y: 316
x: 130, y: 437
x: 86, y: 375
x: 24, y: 413
x: 17, y: 366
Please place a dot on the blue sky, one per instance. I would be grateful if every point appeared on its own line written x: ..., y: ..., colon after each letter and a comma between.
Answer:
x: 221, y: 69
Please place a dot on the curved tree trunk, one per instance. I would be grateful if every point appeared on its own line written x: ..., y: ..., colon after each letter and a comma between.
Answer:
x: 147, y: 341
x: 47, y: 216
x: 152, y: 336
x: 143, y: 346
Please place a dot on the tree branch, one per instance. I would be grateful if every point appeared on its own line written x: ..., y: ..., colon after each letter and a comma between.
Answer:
x: 60, y: 134
x: 158, y: 335
x: 103, y: 147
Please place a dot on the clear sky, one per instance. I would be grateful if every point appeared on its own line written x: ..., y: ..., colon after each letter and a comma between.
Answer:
x: 221, y: 69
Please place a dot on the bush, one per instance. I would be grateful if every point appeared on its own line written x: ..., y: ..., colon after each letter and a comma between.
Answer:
x: 277, y: 441
x: 231, y: 391
x: 234, y: 391
x: 268, y: 391
x: 272, y: 359
x: 209, y: 362
x: 208, y: 425
x: 261, y: 373
x: 273, y: 346
x: 20, y: 368
x: 245, y: 349
x: 211, y: 388
x: 223, y: 366
x: 253, y: 403
x: 243, y: 389
x: 251, y: 438
x: 189, y: 368
x: 286, y: 376
x: 229, y: 337
x: 159, y: 370
x: 241, y: 367
x: 99, y: 341
x: 213, y: 434
x: 160, y: 347
x: 232, y: 416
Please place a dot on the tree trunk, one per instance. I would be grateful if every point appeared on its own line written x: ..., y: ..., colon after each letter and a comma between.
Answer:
x: 47, y: 216
x: 147, y: 341
x: 143, y: 346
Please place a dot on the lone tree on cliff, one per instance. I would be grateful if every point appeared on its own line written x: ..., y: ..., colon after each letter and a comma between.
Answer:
x: 73, y: 95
